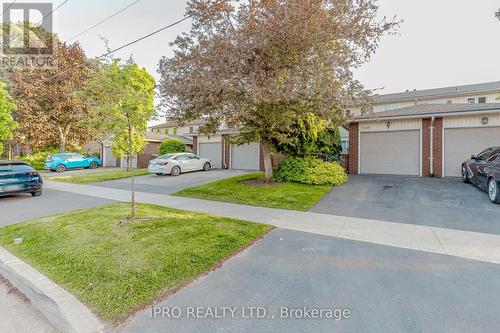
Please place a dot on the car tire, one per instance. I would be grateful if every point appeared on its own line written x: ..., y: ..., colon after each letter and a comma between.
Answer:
x: 175, y: 171
x: 60, y: 168
x: 207, y: 167
x: 37, y: 193
x: 494, y: 191
x: 465, y: 174
x: 93, y: 165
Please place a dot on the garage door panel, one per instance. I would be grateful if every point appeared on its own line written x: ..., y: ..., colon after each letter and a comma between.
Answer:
x: 213, y: 151
x: 396, y: 152
x: 245, y: 157
x: 461, y: 143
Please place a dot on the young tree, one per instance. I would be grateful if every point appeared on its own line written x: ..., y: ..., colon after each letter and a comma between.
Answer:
x: 7, y: 123
x: 121, y: 145
x: 49, y: 110
x: 265, y: 62
x: 122, y: 95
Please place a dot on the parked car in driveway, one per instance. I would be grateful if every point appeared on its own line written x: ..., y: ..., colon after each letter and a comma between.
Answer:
x: 483, y: 171
x: 66, y: 161
x: 175, y: 164
x: 19, y: 177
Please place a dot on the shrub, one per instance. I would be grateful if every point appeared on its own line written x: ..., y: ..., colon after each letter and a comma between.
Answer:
x: 172, y: 146
x: 37, y: 159
x: 311, y: 171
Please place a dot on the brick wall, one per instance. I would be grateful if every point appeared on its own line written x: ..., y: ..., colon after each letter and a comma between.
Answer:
x: 195, y: 145
x: 353, y: 148
x: 437, y: 147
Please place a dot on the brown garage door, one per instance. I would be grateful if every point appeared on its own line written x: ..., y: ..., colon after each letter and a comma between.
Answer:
x: 461, y: 143
x: 391, y: 153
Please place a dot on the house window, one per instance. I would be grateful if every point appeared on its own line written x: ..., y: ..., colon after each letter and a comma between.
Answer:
x: 191, y: 130
x: 449, y: 101
x: 175, y: 131
x: 481, y: 100
x: 391, y: 107
x: 471, y: 100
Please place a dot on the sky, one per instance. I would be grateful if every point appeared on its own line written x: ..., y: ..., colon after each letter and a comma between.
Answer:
x: 439, y: 43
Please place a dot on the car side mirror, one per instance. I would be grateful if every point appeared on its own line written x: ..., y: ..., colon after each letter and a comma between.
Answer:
x: 473, y: 157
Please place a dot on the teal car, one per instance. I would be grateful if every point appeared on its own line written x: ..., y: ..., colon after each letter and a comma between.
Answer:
x: 65, y: 161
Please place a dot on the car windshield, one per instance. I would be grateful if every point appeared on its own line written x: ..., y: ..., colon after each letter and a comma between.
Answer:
x: 167, y: 157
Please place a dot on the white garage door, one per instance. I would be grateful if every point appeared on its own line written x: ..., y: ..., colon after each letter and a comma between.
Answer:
x: 245, y: 157
x: 391, y: 153
x: 109, y: 158
x: 461, y: 143
x: 212, y: 151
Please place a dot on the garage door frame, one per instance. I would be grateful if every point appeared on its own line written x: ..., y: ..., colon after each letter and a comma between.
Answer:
x: 443, y: 142
x: 393, y: 130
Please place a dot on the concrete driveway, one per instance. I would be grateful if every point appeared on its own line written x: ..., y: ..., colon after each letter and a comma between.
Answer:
x: 446, y: 203
x: 168, y: 184
x: 17, y: 208
x: 385, y: 289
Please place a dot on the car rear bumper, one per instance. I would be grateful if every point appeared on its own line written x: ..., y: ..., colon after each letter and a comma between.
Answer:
x: 20, y: 188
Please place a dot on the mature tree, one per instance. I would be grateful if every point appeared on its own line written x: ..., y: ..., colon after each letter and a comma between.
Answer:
x: 266, y: 61
x: 497, y: 14
x: 7, y: 123
x: 50, y: 111
x: 122, y: 95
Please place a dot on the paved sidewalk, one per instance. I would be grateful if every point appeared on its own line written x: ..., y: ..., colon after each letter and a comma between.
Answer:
x: 17, y: 315
x: 464, y: 244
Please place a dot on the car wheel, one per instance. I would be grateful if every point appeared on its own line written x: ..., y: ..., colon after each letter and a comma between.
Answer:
x: 175, y: 171
x: 60, y: 168
x: 94, y: 165
x: 465, y: 174
x: 37, y: 193
x: 494, y: 191
x: 207, y: 167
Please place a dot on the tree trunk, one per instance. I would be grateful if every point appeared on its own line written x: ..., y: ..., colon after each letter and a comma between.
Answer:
x: 62, y: 137
x: 129, y: 165
x: 268, y: 164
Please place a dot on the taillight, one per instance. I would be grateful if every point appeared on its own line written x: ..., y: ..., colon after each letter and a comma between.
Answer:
x: 164, y: 163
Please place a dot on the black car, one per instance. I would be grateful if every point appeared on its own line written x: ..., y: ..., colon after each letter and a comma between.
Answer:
x: 483, y: 171
x: 19, y: 177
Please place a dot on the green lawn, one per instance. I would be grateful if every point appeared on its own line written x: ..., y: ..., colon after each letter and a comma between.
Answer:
x: 100, y: 176
x: 291, y: 196
x: 118, y: 269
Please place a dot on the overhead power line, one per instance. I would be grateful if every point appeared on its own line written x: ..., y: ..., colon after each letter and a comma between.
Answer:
x: 6, y: 9
x: 157, y: 31
x: 52, y: 12
x: 103, y: 21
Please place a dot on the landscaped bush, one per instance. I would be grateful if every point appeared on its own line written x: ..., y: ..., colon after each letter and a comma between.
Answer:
x: 311, y: 171
x: 36, y: 160
x: 172, y: 146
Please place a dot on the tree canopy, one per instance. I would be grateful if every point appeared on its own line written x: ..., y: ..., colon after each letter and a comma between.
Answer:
x: 7, y: 123
x: 49, y: 109
x: 265, y: 61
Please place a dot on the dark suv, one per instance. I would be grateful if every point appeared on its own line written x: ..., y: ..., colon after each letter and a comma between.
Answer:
x: 483, y: 171
x: 19, y: 177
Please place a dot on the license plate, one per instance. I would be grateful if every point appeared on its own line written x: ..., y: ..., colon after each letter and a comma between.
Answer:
x: 11, y: 188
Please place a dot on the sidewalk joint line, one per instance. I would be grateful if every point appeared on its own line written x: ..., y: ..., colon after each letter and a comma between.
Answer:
x: 343, y: 225
x: 441, y: 244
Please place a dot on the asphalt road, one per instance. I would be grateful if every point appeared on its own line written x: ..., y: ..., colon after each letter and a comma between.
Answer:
x: 384, y: 289
x: 445, y: 203
x: 17, y: 208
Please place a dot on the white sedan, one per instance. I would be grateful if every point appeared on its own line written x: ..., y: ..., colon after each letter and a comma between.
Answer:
x: 175, y: 164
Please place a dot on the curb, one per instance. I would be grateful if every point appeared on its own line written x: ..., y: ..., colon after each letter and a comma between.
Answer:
x: 63, y: 310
